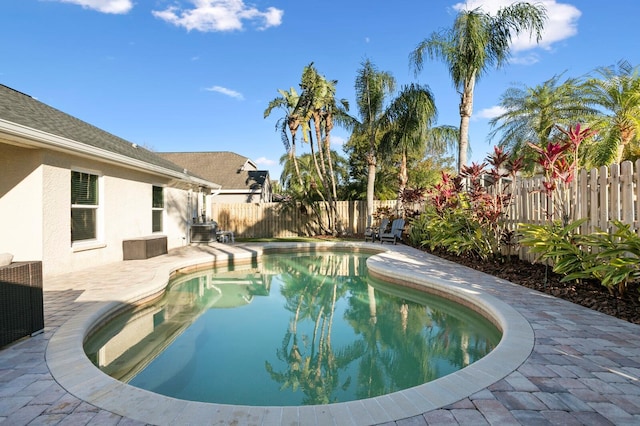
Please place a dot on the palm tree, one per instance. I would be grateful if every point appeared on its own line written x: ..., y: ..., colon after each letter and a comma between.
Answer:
x: 476, y: 42
x: 314, y: 88
x: 320, y: 110
x: 533, y: 114
x: 409, y: 116
x: 372, y: 88
x: 617, y: 92
x: 330, y: 113
x: 291, y: 121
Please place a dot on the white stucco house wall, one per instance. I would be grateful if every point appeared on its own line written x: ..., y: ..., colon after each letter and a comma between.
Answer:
x: 70, y: 193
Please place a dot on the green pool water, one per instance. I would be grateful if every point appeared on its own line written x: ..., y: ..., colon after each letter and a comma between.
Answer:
x: 296, y: 329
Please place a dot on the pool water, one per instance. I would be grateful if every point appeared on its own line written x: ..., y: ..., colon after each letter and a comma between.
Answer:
x: 297, y: 329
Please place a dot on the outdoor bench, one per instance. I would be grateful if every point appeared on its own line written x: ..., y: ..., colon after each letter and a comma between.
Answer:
x: 144, y: 247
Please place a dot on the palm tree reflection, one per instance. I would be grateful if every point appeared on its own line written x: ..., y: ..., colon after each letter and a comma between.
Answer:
x: 398, y: 341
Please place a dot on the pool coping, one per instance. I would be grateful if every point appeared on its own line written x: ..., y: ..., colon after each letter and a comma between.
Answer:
x: 403, y: 265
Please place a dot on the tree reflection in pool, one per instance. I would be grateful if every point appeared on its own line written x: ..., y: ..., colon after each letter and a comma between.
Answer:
x: 298, y: 329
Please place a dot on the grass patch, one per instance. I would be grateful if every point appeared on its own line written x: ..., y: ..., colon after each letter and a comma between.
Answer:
x: 295, y: 240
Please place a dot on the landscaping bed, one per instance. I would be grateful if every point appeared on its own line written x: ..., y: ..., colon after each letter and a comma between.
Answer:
x: 590, y: 294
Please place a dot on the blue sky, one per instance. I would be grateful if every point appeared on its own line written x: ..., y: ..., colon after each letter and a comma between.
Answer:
x: 197, y: 75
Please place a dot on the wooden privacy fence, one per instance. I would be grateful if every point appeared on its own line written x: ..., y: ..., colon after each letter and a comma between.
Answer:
x: 279, y: 220
x: 600, y: 195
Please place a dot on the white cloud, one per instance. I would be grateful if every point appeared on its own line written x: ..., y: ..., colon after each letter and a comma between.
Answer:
x: 104, y: 6
x: 219, y: 15
x: 562, y: 21
x: 265, y: 161
x: 225, y: 91
x: 489, y: 113
x: 528, y: 59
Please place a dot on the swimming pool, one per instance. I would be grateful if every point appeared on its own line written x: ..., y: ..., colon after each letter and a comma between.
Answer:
x: 403, y: 265
x: 296, y: 329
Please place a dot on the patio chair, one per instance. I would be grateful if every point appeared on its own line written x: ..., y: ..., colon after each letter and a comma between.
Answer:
x: 225, y: 236
x: 373, y: 232
x: 395, y: 234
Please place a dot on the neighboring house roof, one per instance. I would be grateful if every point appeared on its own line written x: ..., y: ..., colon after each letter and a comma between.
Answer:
x: 27, y: 118
x: 232, y: 171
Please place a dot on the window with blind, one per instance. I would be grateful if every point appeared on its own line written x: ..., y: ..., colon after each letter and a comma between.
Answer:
x: 157, y: 209
x: 84, y: 206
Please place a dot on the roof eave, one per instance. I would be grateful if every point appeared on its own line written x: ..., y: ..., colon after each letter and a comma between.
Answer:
x: 24, y: 135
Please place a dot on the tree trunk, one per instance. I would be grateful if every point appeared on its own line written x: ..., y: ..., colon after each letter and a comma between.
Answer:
x: 294, y: 158
x: 293, y: 125
x: 402, y: 184
x: 323, y: 179
x: 316, y: 125
x: 334, y: 189
x: 466, y: 109
x: 619, y: 153
x: 627, y: 134
x: 327, y: 147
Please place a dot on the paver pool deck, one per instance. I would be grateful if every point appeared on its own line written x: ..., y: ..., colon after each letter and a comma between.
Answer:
x: 562, y: 364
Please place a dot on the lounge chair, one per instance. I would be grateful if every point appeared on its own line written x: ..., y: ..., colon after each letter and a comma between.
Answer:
x: 397, y: 226
x: 373, y: 232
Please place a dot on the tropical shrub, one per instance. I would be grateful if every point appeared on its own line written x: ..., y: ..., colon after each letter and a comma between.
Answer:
x: 418, y: 234
x: 613, y: 258
x: 466, y: 214
x: 559, y: 244
x: 616, y: 258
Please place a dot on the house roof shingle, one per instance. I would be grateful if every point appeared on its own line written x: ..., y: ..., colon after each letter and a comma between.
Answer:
x: 22, y: 109
x: 229, y: 169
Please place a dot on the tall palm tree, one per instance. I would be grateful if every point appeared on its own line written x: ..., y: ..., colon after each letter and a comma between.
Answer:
x: 532, y: 114
x: 372, y: 88
x: 617, y: 93
x: 409, y: 116
x: 310, y: 84
x: 333, y: 112
x: 319, y: 107
x: 291, y: 121
x: 476, y: 42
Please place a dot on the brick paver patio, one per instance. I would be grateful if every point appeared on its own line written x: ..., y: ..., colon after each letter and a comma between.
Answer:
x: 584, y: 368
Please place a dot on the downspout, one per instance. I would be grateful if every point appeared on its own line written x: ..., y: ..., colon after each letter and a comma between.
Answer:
x: 189, y: 219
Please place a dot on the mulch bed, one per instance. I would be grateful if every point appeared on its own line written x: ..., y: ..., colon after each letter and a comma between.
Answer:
x: 590, y: 294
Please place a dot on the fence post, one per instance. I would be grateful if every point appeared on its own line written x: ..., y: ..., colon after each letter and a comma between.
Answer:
x: 626, y: 192
x: 614, y: 185
x: 603, y: 193
x: 595, y: 200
